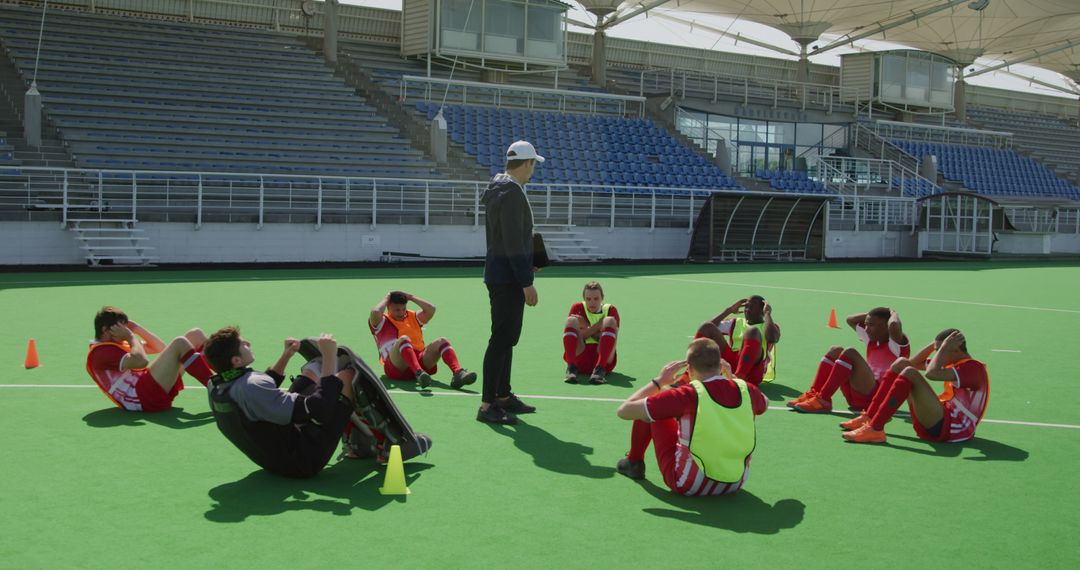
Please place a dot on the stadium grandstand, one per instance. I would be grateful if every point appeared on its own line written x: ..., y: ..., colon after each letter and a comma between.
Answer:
x: 158, y: 124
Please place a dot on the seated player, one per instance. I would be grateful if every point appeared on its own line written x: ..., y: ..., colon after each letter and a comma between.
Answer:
x: 703, y: 431
x: 589, y: 337
x: 294, y: 433
x: 748, y: 343
x: 845, y: 369
x: 119, y: 363
x: 950, y: 417
x: 400, y: 339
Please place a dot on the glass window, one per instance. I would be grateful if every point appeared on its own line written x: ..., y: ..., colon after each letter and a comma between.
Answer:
x: 892, y: 77
x: 543, y: 23
x: 504, y: 27
x: 918, y: 81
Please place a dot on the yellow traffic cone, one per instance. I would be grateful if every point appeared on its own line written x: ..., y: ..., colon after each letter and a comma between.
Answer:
x: 394, y: 483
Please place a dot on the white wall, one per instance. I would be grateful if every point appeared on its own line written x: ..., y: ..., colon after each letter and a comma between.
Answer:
x: 852, y: 244
x: 45, y: 243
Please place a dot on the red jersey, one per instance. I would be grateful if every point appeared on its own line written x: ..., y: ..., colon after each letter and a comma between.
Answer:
x: 881, y: 355
x: 104, y: 364
x: 681, y: 403
x: 389, y: 330
x: 965, y: 400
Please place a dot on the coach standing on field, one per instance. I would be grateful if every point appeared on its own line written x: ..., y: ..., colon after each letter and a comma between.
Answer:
x: 508, y: 274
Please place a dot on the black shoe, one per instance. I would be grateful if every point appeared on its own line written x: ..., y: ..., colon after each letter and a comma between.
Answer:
x: 571, y: 374
x: 462, y: 378
x: 515, y: 406
x: 495, y: 415
x: 419, y: 444
x: 423, y: 379
x: 598, y: 375
x: 632, y: 469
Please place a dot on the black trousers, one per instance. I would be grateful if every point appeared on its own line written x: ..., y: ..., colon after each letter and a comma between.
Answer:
x: 507, y: 310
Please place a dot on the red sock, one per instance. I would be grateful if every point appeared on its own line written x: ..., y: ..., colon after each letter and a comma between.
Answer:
x: 880, y: 393
x: 569, y: 344
x: 450, y: 358
x: 196, y: 365
x: 749, y: 356
x: 607, y: 346
x: 640, y: 438
x: 823, y: 371
x: 408, y: 354
x: 898, y: 394
x: 839, y: 375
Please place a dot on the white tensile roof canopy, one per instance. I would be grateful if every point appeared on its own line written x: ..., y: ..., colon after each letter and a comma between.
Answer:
x: 1043, y: 33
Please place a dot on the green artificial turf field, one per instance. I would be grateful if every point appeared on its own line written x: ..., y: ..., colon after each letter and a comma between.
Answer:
x: 88, y: 485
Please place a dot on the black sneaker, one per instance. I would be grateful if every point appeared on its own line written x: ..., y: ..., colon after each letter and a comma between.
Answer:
x: 462, y: 378
x: 571, y: 374
x: 423, y: 379
x: 495, y: 415
x: 417, y: 445
x: 632, y: 469
x: 515, y: 406
x: 598, y: 374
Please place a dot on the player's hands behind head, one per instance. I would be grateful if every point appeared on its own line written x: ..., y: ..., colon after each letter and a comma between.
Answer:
x: 737, y: 306
x: 670, y: 372
x: 120, y: 331
x: 291, y: 346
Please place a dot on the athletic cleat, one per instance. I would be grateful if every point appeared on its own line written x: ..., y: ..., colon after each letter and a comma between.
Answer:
x: 632, y: 469
x: 423, y: 378
x: 495, y: 415
x: 598, y: 375
x: 571, y: 374
x: 462, y: 378
x: 419, y: 444
x: 813, y: 405
x: 855, y: 423
x: 514, y: 405
x: 865, y: 434
x: 804, y: 396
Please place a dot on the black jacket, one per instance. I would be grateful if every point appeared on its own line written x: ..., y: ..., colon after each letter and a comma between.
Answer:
x: 509, y: 225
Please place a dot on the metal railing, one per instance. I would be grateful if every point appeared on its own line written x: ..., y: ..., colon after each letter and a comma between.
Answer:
x: 948, y: 135
x: 686, y: 82
x: 532, y: 98
x: 203, y: 197
x: 851, y: 175
x: 866, y: 139
x: 876, y: 213
x: 1043, y: 220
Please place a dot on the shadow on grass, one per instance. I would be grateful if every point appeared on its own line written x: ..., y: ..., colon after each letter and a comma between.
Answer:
x: 174, y: 418
x: 778, y: 392
x: 339, y: 490
x: 551, y: 453
x: 991, y: 450
x: 741, y: 512
x: 412, y: 386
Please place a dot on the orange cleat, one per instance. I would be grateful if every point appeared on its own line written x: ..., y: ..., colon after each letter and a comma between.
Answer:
x: 856, y: 422
x: 803, y: 397
x: 865, y: 434
x: 813, y: 405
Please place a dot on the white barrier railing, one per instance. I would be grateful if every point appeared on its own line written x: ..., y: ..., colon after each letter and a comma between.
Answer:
x: 532, y: 98
x: 861, y: 213
x: 686, y: 82
x: 938, y: 134
x: 199, y: 197
x: 853, y: 175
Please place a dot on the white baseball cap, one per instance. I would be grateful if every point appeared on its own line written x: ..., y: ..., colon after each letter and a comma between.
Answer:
x: 522, y: 150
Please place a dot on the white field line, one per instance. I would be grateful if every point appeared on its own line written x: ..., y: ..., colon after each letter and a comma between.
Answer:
x: 532, y: 396
x: 1004, y: 350
x: 856, y: 293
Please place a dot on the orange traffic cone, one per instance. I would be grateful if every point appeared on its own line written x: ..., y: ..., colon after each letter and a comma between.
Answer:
x: 31, y: 355
x: 832, y: 320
